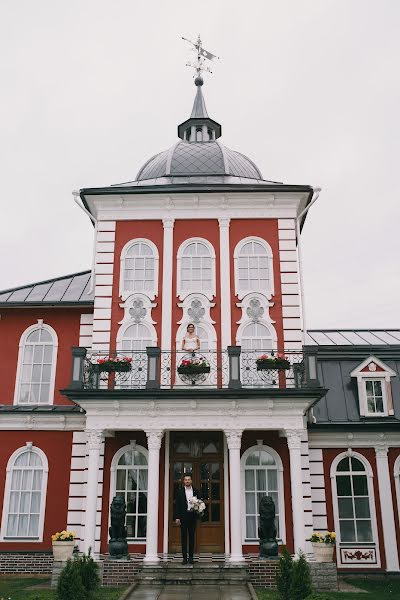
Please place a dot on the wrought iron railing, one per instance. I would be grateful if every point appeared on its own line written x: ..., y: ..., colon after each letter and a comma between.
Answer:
x: 158, y: 369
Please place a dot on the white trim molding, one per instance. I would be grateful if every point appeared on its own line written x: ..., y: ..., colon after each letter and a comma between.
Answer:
x: 367, y: 372
x: 29, y: 447
x: 269, y: 290
x: 225, y: 282
x: 39, y: 325
x: 387, y: 512
x: 153, y: 292
x: 167, y: 270
x: 182, y: 293
x: 347, y: 552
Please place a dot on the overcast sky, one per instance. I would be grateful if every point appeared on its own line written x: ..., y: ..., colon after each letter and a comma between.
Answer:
x: 308, y: 89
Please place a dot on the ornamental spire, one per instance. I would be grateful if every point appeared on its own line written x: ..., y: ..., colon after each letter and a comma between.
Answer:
x: 199, y: 127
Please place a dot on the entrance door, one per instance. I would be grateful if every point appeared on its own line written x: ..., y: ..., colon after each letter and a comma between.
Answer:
x: 201, y: 455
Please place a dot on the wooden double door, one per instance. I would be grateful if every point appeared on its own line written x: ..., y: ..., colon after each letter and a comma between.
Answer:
x: 202, y: 456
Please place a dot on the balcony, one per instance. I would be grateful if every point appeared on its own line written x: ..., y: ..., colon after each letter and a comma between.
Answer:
x: 155, y: 369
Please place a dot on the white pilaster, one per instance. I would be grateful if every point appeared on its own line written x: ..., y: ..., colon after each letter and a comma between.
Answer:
x: 294, y: 445
x: 167, y: 267
x: 233, y: 438
x: 154, y: 438
x: 385, y: 494
x: 94, y: 442
x: 225, y: 282
x: 166, y: 494
x: 226, y: 502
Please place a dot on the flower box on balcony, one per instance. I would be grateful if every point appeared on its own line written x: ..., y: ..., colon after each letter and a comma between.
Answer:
x: 193, y: 367
x: 113, y: 365
x: 267, y: 362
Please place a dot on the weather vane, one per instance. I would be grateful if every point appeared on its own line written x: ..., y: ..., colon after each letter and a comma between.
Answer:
x: 199, y: 65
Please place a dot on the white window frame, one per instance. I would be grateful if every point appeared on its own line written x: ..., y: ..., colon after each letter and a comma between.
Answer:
x: 373, y: 375
x: 371, y: 495
x: 113, y: 481
x: 124, y: 294
x: 281, y: 491
x: 183, y: 293
x: 268, y: 292
x: 22, y: 342
x: 7, y: 491
x: 126, y: 325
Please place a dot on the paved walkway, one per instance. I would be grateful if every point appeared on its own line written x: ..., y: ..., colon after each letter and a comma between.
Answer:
x: 189, y: 592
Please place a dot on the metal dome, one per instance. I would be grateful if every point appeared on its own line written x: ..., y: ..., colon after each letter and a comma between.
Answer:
x: 199, y: 159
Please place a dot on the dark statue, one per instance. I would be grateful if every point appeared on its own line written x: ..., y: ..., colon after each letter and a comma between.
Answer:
x: 267, y: 529
x: 117, y: 545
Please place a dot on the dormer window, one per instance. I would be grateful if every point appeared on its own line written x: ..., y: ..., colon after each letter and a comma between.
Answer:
x: 374, y: 387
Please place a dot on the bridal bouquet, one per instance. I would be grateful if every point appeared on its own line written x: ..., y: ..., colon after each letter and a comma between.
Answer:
x: 197, y: 506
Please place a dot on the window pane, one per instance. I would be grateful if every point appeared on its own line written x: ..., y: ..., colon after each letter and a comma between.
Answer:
x: 215, y: 491
x: 132, y: 480
x: 25, y: 502
x: 121, y: 477
x: 130, y: 526
x: 266, y: 458
x: 12, y: 525
x: 362, y: 508
x: 249, y: 480
x: 126, y: 458
x: 22, y: 460
x: 343, y: 485
x: 46, y: 372
x: 215, y: 513
x: 345, y: 508
x: 14, y: 502
x: 35, y: 502
x: 33, y: 525
x: 38, y: 354
x: 22, y: 530
x: 360, y: 485
x: 33, y: 336
x: 261, y: 480
x: 142, y: 527
x: 26, y: 480
x: 364, y: 531
x: 142, y: 503
x: 139, y: 458
x: 272, y: 479
x: 250, y: 503
x: 251, y: 528
x: 347, y: 532
x: 356, y: 465
x: 253, y: 458
x: 44, y: 393
x: 34, y: 460
x: 142, y: 479
x: 36, y: 373
x: 45, y: 336
x: 344, y: 465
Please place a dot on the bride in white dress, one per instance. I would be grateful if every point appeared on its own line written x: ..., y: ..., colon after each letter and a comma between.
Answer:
x: 191, y: 341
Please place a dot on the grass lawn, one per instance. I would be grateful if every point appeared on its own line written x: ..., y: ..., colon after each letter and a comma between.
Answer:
x: 374, y: 590
x: 17, y: 588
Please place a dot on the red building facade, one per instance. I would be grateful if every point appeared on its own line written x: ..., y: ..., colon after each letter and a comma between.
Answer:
x: 199, y: 237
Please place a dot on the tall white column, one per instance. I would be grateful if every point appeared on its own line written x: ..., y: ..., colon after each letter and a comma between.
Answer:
x: 385, y: 495
x: 167, y: 267
x: 154, y: 438
x: 94, y: 442
x: 233, y: 438
x: 225, y: 269
x: 294, y: 445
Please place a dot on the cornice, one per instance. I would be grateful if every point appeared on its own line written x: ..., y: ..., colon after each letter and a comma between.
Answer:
x: 39, y: 421
x: 354, y: 439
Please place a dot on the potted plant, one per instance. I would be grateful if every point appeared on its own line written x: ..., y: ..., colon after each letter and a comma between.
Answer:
x: 193, y: 366
x: 63, y: 545
x: 323, y: 545
x: 110, y: 364
x: 266, y: 362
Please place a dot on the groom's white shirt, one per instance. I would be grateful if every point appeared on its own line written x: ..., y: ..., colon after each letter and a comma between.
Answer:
x: 189, y: 495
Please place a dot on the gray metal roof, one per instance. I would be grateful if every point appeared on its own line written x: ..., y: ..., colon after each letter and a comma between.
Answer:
x: 70, y: 289
x: 353, y: 337
x: 194, y: 159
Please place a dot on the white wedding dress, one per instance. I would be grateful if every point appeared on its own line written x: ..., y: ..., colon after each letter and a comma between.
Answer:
x: 190, y: 344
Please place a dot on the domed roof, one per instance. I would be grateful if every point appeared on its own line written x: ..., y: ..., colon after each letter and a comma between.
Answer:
x: 198, y: 159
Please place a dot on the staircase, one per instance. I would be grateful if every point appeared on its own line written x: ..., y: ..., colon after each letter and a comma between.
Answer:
x: 197, y: 574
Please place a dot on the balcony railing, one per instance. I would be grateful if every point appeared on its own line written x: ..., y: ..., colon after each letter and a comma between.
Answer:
x: 158, y: 369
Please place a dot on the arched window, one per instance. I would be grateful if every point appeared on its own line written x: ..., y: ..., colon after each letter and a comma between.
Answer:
x: 196, y: 268
x: 135, y: 337
x: 139, y: 268
x: 129, y: 477
x: 262, y: 475
x: 36, y: 365
x: 256, y: 336
x: 253, y: 267
x: 354, y: 507
x: 25, y: 495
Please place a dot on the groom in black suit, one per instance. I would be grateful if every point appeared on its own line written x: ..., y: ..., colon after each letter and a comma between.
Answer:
x: 186, y: 518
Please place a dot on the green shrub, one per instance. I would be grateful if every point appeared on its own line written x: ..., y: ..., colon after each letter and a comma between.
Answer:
x: 70, y: 586
x: 301, y: 579
x: 319, y: 597
x: 285, y: 575
x: 79, y: 580
x: 89, y: 572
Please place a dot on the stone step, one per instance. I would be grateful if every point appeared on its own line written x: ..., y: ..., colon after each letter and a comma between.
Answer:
x: 197, y: 574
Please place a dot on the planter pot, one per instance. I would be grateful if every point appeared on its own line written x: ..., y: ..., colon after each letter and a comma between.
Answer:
x: 112, y: 368
x: 280, y: 365
x: 62, y: 551
x: 323, y: 552
x: 193, y: 370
